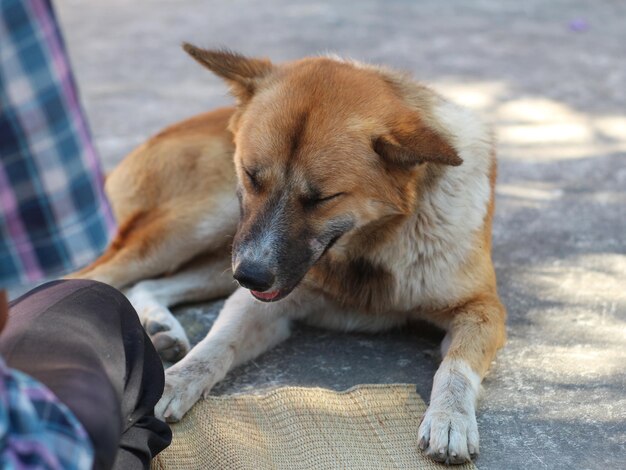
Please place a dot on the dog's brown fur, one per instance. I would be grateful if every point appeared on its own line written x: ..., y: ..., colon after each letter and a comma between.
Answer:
x: 383, y: 150
x: 159, y: 191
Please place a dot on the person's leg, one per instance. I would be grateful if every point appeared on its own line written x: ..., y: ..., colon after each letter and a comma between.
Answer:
x: 84, y: 341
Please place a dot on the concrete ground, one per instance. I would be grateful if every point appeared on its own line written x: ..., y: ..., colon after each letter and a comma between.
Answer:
x: 552, y: 78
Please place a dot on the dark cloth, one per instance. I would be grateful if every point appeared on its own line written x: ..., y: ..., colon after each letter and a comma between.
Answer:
x: 84, y: 341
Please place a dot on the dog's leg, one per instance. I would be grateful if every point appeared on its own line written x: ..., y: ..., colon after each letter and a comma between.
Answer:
x: 159, y: 241
x: 449, y: 432
x: 146, y: 245
x: 244, y: 329
x: 206, y: 278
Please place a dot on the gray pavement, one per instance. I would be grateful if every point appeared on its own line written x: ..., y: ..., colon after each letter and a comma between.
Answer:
x: 552, y: 78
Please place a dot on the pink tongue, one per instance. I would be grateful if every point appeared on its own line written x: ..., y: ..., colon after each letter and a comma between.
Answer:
x: 266, y: 295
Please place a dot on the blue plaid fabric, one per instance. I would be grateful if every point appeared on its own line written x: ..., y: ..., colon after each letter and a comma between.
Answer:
x: 36, y: 430
x: 54, y: 216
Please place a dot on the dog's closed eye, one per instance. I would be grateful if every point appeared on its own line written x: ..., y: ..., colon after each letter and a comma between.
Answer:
x: 312, y: 201
x: 253, y: 179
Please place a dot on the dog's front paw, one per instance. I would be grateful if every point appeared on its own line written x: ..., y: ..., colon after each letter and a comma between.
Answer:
x: 449, y: 432
x: 184, y: 384
x: 449, y: 435
x: 166, y: 333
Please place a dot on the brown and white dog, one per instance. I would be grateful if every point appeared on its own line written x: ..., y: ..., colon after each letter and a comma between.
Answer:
x: 358, y: 200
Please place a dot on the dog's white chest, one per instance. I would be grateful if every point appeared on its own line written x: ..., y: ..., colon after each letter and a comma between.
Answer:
x: 431, y: 249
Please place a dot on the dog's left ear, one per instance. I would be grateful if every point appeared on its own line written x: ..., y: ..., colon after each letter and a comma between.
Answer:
x: 243, y: 74
x: 410, y: 141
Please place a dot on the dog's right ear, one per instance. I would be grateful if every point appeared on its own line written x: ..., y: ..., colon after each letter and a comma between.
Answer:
x: 243, y: 74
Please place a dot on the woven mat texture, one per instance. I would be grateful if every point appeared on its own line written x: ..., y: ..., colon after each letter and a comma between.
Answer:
x: 292, y: 428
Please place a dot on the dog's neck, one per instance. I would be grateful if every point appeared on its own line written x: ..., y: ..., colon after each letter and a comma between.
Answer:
x: 450, y: 213
x: 432, y: 242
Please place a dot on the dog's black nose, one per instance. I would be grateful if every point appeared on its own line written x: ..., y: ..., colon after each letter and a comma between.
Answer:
x: 254, y: 276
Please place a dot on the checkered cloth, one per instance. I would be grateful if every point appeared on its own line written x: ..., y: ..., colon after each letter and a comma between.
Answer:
x: 36, y: 430
x: 53, y: 213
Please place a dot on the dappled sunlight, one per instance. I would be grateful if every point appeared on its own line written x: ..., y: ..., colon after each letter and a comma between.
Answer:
x: 544, y: 130
x: 539, y: 129
x: 608, y: 197
x: 576, y: 335
x: 559, y: 374
x: 546, y: 133
x: 557, y: 152
x: 576, y: 364
x: 475, y: 95
x: 584, y: 328
x: 534, y: 110
x: 584, y: 279
x: 613, y: 127
x: 532, y: 193
x: 567, y: 346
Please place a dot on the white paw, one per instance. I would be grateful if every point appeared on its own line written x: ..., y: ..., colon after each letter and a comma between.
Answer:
x: 167, y: 334
x: 449, y: 435
x: 184, y: 384
x: 165, y: 331
x: 449, y: 432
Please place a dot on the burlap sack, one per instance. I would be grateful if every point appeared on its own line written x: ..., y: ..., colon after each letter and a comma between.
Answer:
x: 366, y: 427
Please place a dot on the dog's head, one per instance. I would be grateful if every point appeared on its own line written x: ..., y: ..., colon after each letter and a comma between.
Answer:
x: 324, y: 148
